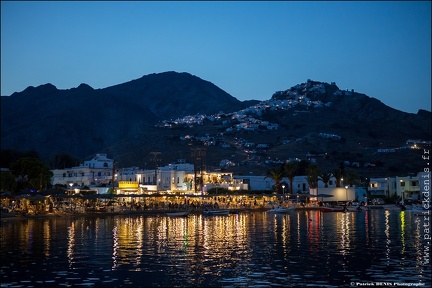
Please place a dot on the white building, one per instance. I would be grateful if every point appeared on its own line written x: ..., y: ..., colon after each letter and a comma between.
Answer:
x: 180, y: 177
x: 127, y: 174
x: 405, y: 187
x: 340, y: 194
x: 301, y: 186
x: 300, y: 183
x: 172, y: 177
x: 98, y: 171
x: 379, y: 187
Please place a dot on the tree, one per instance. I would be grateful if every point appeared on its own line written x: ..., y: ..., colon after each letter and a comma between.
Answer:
x: 31, y: 173
x: 302, y: 167
x: 352, y: 177
x: 276, y: 174
x: 337, y: 173
x: 8, y: 156
x: 312, y: 175
x: 63, y: 160
x: 325, y: 177
x: 290, y: 172
x: 7, y: 182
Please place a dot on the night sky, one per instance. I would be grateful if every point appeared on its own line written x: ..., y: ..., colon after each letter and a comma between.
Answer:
x: 248, y: 49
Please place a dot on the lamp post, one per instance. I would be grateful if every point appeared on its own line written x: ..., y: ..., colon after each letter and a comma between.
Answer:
x: 346, y: 192
x: 283, y: 191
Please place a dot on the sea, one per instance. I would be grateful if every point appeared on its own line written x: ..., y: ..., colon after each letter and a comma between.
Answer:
x: 376, y: 248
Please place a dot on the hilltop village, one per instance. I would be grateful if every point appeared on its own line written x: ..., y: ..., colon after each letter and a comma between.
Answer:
x: 300, y: 99
x: 244, y: 120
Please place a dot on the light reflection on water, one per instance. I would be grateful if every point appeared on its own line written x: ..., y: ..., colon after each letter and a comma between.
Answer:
x: 244, y: 250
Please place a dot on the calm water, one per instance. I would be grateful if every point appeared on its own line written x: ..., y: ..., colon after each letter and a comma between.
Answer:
x: 305, y: 248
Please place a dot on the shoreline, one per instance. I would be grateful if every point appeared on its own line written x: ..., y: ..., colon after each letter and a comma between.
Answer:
x: 163, y: 212
x: 12, y: 216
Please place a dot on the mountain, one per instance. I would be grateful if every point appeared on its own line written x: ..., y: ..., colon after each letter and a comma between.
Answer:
x: 177, y: 113
x: 83, y: 120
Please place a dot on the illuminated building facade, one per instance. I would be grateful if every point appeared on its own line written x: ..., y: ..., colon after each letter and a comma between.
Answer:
x: 99, y: 171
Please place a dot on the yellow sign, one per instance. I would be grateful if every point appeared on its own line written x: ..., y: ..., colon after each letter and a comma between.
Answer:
x: 128, y: 185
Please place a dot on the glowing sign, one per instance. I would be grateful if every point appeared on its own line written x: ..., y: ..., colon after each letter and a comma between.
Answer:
x: 128, y: 185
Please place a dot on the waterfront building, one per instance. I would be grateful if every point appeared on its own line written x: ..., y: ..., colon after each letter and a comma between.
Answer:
x: 339, y: 194
x: 99, y: 171
x: 379, y: 187
x: 300, y: 183
x: 182, y: 176
x: 403, y: 187
x: 127, y: 174
x: 173, y: 177
x: 100, y: 174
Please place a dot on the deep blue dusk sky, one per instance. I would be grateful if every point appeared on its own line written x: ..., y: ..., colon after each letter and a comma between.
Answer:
x: 248, y: 49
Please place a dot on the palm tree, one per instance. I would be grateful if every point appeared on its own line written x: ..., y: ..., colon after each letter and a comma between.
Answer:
x: 337, y: 173
x: 312, y: 175
x: 352, y: 177
x: 276, y: 174
x: 290, y: 170
x: 325, y: 177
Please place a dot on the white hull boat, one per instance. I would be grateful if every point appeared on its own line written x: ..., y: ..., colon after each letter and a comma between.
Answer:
x: 216, y: 212
x: 281, y: 210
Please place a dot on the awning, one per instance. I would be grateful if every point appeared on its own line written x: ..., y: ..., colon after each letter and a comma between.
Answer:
x: 324, y: 195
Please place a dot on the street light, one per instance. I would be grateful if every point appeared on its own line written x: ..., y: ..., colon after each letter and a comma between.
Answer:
x: 346, y: 192
x: 283, y: 191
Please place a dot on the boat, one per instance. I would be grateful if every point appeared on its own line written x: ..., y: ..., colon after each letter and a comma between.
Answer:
x: 332, y: 209
x: 178, y: 213
x: 281, y: 210
x: 356, y: 208
x: 215, y: 212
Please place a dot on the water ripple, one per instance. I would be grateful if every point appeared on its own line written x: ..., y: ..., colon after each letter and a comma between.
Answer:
x: 305, y: 248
